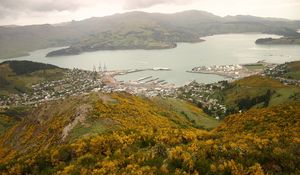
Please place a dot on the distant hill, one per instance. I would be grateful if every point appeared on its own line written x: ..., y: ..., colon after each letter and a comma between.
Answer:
x: 124, y: 134
x: 18, y: 76
x: 279, y: 41
x: 27, y: 67
x: 147, y: 37
x: 83, y: 35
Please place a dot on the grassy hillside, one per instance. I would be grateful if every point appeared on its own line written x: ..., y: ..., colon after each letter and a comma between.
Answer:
x: 123, y: 134
x: 191, y: 112
x: 289, y: 70
x: 129, y: 37
x: 256, y: 92
x: 224, y: 98
x: 75, y: 117
x: 10, y: 116
x: 293, y: 70
x: 19, y: 76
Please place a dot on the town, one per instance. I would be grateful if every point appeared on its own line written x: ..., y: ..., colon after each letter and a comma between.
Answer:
x: 203, y: 96
x: 234, y: 71
x: 76, y: 82
x: 278, y: 71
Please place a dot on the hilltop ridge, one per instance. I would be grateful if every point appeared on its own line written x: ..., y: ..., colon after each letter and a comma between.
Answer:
x: 187, y: 26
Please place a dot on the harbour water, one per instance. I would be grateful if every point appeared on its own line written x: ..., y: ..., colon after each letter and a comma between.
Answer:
x: 216, y: 50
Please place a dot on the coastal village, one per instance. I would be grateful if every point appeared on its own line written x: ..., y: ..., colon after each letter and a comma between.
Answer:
x: 277, y: 73
x: 235, y: 71
x: 76, y: 82
x: 203, y: 96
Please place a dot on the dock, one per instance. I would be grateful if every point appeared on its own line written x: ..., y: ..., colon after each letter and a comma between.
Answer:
x: 144, y: 78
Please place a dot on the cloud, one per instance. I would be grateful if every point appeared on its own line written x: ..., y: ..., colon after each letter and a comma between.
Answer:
x: 136, y: 4
x: 41, y: 11
x: 40, y: 5
x: 15, y: 8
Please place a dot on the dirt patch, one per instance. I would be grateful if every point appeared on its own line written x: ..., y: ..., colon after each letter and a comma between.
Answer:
x: 80, y: 116
x: 106, y: 99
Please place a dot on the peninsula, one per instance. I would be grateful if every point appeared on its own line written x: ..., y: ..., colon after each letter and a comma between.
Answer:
x: 279, y: 41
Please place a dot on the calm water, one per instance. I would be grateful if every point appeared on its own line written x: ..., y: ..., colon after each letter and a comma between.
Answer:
x: 219, y: 49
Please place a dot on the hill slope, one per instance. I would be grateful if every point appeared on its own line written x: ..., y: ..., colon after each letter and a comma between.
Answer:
x: 18, y: 76
x: 289, y: 70
x: 223, y: 98
x: 121, y: 134
x: 258, y: 91
x: 67, y: 120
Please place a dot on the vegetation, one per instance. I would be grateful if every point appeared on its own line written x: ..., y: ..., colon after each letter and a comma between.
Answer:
x: 19, y: 76
x: 10, y: 116
x: 288, y: 70
x: 27, y: 67
x: 144, y: 37
x: 279, y: 41
x: 191, y: 112
x: 256, y: 92
x: 293, y: 70
x: 224, y: 98
x: 6, y: 122
x: 140, y: 136
x: 253, y: 67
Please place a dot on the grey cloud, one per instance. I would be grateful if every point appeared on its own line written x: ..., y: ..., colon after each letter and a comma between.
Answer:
x: 39, y: 5
x: 13, y: 8
x: 4, y: 12
x: 135, y: 4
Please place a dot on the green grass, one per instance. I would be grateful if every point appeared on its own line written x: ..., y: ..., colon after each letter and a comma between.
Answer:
x: 189, y: 111
x: 91, y: 127
x: 253, y: 67
x: 293, y: 70
x: 6, y: 122
x: 255, y: 87
x: 293, y: 75
x: 283, y: 95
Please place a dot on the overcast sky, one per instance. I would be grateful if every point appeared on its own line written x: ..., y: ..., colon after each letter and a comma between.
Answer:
x: 24, y: 12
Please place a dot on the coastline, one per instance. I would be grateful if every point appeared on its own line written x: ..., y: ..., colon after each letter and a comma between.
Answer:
x: 212, y: 73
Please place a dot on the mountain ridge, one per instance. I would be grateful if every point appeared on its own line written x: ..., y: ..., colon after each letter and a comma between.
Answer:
x: 13, y: 40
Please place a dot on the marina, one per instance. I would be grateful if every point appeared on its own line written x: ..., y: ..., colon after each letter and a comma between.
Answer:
x: 144, y: 78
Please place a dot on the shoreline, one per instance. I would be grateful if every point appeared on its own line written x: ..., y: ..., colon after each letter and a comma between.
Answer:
x: 212, y: 73
x: 201, y: 39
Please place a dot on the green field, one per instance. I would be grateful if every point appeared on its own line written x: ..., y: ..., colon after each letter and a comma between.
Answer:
x: 254, y: 67
x: 188, y: 110
x: 293, y: 70
x: 256, y: 92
